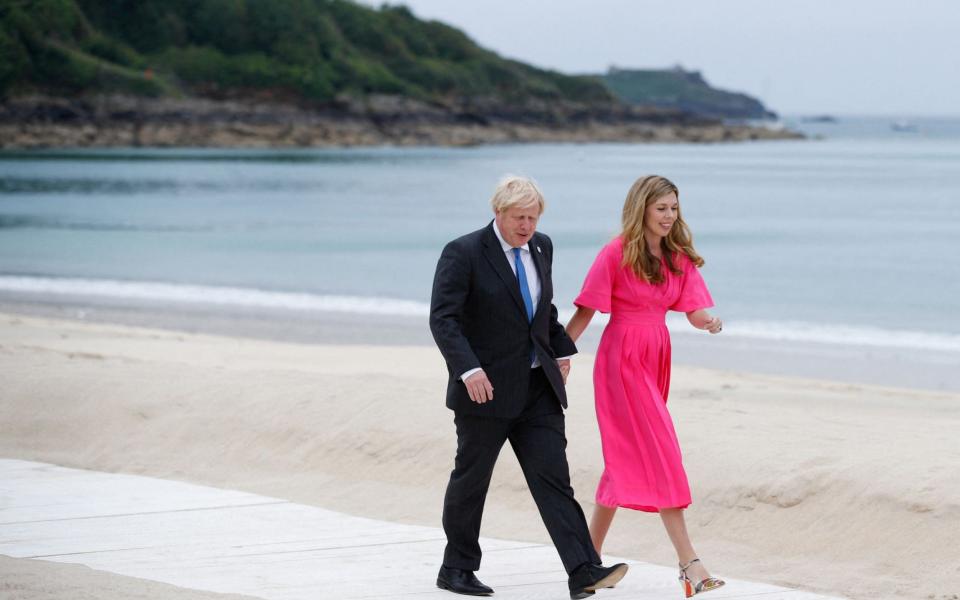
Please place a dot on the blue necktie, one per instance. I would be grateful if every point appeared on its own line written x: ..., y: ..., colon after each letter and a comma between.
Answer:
x: 524, y: 287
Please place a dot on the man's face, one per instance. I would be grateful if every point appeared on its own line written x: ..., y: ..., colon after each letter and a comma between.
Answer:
x: 517, y: 224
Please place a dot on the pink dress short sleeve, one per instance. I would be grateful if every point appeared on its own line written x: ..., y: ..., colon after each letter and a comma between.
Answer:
x: 643, y: 465
x: 597, y: 290
x: 694, y: 294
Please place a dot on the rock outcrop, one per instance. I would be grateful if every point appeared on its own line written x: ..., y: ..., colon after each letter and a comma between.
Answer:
x: 43, y: 122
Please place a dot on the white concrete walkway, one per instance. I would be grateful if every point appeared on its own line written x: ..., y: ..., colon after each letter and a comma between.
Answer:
x: 226, y: 541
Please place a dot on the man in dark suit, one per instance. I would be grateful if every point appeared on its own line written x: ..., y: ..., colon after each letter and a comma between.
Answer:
x: 493, y: 318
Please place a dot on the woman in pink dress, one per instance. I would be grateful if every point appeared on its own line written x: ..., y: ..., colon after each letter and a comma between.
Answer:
x: 650, y: 268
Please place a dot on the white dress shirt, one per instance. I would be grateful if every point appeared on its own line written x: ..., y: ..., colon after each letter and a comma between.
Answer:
x: 533, y: 282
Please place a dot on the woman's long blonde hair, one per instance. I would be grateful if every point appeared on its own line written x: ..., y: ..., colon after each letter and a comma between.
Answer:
x: 644, y: 191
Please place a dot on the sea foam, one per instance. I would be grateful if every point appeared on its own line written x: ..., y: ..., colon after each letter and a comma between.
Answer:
x: 188, y: 294
x: 215, y: 295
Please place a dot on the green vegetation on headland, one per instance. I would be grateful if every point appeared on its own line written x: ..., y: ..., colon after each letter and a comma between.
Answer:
x: 309, y: 49
x: 291, y: 72
x: 683, y: 90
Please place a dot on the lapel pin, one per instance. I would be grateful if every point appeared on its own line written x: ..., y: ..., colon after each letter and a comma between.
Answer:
x: 539, y: 250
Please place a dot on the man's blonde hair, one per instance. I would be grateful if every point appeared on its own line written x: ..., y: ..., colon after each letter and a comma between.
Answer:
x: 514, y: 190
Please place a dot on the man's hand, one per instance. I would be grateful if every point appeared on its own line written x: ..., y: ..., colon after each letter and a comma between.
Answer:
x: 564, y: 364
x: 479, y: 387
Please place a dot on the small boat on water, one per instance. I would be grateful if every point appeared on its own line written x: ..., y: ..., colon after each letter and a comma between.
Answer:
x: 818, y: 119
x: 903, y: 126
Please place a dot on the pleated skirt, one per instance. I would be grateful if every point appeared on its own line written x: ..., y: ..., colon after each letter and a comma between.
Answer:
x: 643, y: 467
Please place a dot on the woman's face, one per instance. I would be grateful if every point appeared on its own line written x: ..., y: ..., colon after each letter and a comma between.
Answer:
x: 660, y: 215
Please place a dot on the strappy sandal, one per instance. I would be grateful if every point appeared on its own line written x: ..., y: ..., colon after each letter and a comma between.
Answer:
x: 704, y: 585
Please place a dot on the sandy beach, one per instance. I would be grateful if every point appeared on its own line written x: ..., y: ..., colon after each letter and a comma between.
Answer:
x: 830, y: 487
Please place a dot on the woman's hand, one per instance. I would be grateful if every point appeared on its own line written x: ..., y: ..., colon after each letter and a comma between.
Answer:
x: 701, y: 319
x: 714, y: 325
x: 564, y: 364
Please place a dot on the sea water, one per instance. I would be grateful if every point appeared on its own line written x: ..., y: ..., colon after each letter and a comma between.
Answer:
x: 851, y: 236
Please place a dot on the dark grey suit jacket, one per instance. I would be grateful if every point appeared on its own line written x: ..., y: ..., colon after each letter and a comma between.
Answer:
x: 478, y: 319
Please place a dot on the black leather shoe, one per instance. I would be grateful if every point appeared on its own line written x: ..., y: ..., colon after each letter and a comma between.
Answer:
x: 461, y: 582
x: 587, y: 579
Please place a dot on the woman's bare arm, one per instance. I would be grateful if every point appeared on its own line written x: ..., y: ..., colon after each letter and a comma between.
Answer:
x: 578, y: 323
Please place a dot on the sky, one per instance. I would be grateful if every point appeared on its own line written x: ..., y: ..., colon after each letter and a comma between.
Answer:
x: 841, y: 57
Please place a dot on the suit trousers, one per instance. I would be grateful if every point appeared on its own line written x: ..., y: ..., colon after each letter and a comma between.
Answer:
x: 539, y: 442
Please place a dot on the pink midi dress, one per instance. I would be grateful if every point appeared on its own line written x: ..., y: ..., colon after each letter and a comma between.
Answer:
x: 643, y: 468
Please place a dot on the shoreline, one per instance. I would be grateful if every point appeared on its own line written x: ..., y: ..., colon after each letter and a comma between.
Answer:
x: 806, y: 470
x: 847, y: 364
x: 119, y: 121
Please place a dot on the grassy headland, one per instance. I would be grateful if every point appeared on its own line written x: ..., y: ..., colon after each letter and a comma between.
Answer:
x: 684, y: 90
x: 290, y: 72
